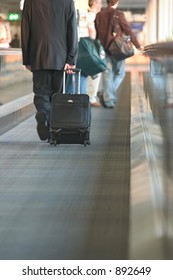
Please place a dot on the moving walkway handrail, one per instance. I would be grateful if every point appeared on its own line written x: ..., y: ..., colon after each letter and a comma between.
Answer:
x: 9, y: 51
x: 159, y: 49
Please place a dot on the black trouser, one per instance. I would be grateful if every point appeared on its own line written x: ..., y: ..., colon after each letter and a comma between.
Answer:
x: 45, y: 83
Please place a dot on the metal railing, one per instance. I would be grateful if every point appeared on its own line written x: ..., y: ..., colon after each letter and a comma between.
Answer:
x: 15, y: 80
x: 16, y: 97
x: 158, y: 87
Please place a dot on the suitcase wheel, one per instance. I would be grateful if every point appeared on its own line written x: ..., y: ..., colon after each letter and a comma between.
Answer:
x: 87, y: 142
x: 53, y: 142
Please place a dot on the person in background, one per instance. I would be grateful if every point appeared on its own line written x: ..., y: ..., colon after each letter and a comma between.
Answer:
x: 94, y: 8
x: 49, y: 45
x: 113, y: 76
x: 15, y: 42
x: 5, y: 34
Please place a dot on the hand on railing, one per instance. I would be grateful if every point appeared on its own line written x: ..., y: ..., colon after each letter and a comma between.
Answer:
x: 141, y: 50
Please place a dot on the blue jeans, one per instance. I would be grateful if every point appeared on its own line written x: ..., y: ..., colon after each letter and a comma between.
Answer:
x: 72, y: 86
x: 112, y: 78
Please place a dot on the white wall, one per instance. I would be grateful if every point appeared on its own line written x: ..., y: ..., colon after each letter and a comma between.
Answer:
x: 159, y: 23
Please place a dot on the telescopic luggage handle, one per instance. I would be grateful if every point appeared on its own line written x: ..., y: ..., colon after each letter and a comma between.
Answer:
x: 75, y: 70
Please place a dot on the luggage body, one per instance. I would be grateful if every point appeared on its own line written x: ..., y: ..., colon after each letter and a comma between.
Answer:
x: 70, y: 117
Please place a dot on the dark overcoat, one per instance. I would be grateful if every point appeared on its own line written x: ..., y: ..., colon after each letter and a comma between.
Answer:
x: 49, y: 34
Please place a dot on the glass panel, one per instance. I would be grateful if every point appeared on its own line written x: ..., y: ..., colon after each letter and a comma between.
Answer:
x: 159, y: 93
x: 15, y: 80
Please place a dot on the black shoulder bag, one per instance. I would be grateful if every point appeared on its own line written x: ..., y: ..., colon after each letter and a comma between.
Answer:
x: 120, y: 47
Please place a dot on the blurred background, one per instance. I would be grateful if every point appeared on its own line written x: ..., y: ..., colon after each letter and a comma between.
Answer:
x: 155, y: 16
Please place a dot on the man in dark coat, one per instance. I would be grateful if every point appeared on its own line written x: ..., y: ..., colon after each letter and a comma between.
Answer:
x: 49, y: 45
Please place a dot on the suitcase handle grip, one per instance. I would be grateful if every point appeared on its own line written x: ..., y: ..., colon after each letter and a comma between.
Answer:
x: 75, y: 70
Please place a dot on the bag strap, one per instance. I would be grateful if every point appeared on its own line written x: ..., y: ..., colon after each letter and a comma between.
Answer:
x: 115, y: 21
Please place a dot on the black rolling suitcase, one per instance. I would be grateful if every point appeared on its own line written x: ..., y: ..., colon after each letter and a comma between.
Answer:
x: 70, y: 117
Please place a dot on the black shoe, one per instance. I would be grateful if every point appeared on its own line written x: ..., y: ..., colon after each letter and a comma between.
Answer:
x: 105, y: 104
x: 42, y: 128
x: 100, y: 96
x: 109, y: 104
